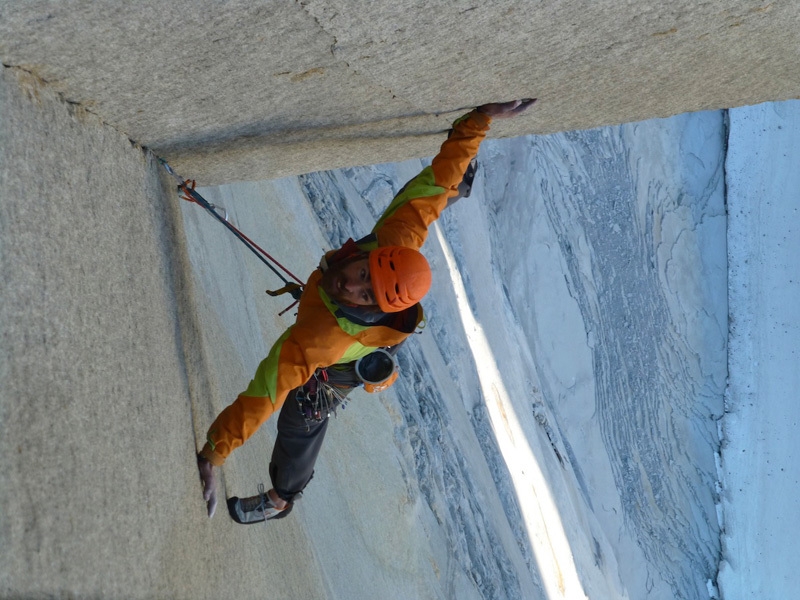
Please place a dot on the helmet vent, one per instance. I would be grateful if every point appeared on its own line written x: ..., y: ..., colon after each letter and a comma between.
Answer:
x: 400, y: 277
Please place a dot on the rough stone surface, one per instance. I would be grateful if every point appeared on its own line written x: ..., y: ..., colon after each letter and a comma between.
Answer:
x: 100, y: 348
x: 102, y: 374
x: 232, y: 91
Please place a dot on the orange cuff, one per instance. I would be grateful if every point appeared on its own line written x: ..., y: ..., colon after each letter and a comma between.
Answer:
x: 208, y: 453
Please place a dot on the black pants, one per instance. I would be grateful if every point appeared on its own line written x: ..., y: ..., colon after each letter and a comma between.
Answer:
x: 300, y: 439
x: 299, y: 443
x: 296, y: 450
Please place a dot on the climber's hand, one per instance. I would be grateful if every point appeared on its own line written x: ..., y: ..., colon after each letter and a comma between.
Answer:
x: 505, y: 110
x: 209, y: 480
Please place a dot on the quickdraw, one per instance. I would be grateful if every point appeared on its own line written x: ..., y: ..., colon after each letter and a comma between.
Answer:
x: 190, y: 194
x: 319, y: 398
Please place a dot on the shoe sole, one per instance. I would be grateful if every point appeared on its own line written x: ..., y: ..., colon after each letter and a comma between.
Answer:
x: 233, y: 503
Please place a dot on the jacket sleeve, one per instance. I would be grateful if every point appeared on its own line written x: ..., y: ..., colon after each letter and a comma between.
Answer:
x: 405, y: 222
x: 315, y: 340
x: 241, y: 419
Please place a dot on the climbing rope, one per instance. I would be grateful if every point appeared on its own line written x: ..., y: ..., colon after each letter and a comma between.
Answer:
x: 190, y: 194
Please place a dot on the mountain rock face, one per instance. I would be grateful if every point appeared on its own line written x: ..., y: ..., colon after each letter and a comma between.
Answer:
x: 235, y: 91
x: 555, y: 430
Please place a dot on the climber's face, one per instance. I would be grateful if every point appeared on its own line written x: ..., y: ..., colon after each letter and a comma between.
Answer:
x: 349, y: 283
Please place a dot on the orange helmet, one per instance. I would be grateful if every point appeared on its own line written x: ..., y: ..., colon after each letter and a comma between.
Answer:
x: 400, y: 277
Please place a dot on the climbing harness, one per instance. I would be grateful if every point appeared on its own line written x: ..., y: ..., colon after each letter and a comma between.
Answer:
x: 190, y: 194
x: 322, y: 395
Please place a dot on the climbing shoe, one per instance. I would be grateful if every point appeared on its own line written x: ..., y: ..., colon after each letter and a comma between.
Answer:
x: 256, y: 509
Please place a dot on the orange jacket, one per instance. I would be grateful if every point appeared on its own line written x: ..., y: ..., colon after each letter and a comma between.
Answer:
x: 322, y: 335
